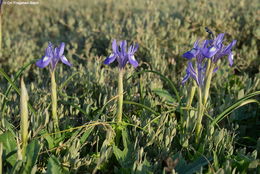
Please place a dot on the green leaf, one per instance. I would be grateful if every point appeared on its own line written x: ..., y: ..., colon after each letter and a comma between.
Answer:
x: 32, y: 152
x: 193, y: 167
x: 141, y: 105
x: 17, y: 75
x: 50, y: 141
x: 124, y: 157
x: 254, y: 164
x: 17, y: 167
x: 241, y: 94
x: 15, y: 88
x: 54, y: 166
x: 9, y: 147
x: 164, y: 94
x: 243, y: 101
x: 86, y: 134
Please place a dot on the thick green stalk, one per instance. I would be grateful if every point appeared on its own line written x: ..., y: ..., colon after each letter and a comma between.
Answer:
x: 191, y: 96
x: 208, y: 66
x: 120, y: 95
x: 200, y: 115
x: 208, y: 81
x: 24, y: 123
x: 189, y: 101
x: 192, y: 92
x: 54, y: 102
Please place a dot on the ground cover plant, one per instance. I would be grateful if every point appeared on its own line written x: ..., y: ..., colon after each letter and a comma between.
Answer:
x: 165, y: 86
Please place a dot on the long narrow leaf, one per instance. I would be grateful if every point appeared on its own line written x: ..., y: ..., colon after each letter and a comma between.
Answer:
x: 243, y: 101
x: 142, y: 106
x: 17, y: 75
x: 163, y: 77
x: 15, y: 88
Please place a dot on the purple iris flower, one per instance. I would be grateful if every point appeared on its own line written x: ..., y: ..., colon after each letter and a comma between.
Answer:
x: 196, y: 51
x: 213, y: 49
x: 122, y: 55
x: 225, y: 50
x: 216, y: 49
x: 198, y: 75
x: 213, y: 46
x: 52, y: 56
x: 193, y: 52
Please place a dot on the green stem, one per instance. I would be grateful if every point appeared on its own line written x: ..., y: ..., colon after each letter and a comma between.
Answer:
x: 54, y: 102
x: 200, y: 115
x: 191, y: 96
x: 208, y: 66
x: 120, y: 95
x: 203, y: 100
x: 189, y: 102
x: 208, y: 81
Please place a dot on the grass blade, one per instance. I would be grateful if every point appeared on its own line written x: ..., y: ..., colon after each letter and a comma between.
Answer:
x: 141, y: 105
x: 243, y: 101
x: 15, y: 88
x: 163, y: 77
x: 17, y: 75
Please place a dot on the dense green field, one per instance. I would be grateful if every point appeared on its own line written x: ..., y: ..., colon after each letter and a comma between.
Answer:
x: 157, y: 132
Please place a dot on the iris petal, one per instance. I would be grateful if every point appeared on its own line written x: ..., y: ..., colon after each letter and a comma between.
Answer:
x: 114, y: 47
x: 196, y: 44
x: 228, y: 48
x: 219, y: 39
x: 230, y: 59
x: 185, y: 78
x: 43, y: 62
x: 65, y: 60
x: 188, y: 55
x: 209, y: 52
x: 110, y: 59
x: 135, y: 48
x: 61, y: 49
x: 192, y: 72
x: 49, y: 50
x: 133, y: 61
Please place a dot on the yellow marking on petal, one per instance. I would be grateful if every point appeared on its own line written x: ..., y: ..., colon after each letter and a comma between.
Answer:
x: 45, y: 59
x: 133, y: 57
x: 212, y: 49
x: 111, y: 55
x: 232, y: 56
x: 65, y: 58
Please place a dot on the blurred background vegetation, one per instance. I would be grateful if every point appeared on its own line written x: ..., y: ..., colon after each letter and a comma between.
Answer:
x: 164, y: 30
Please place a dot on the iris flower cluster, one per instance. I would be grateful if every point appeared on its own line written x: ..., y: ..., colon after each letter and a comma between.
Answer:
x: 212, y: 50
x: 119, y: 52
x: 206, y: 54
